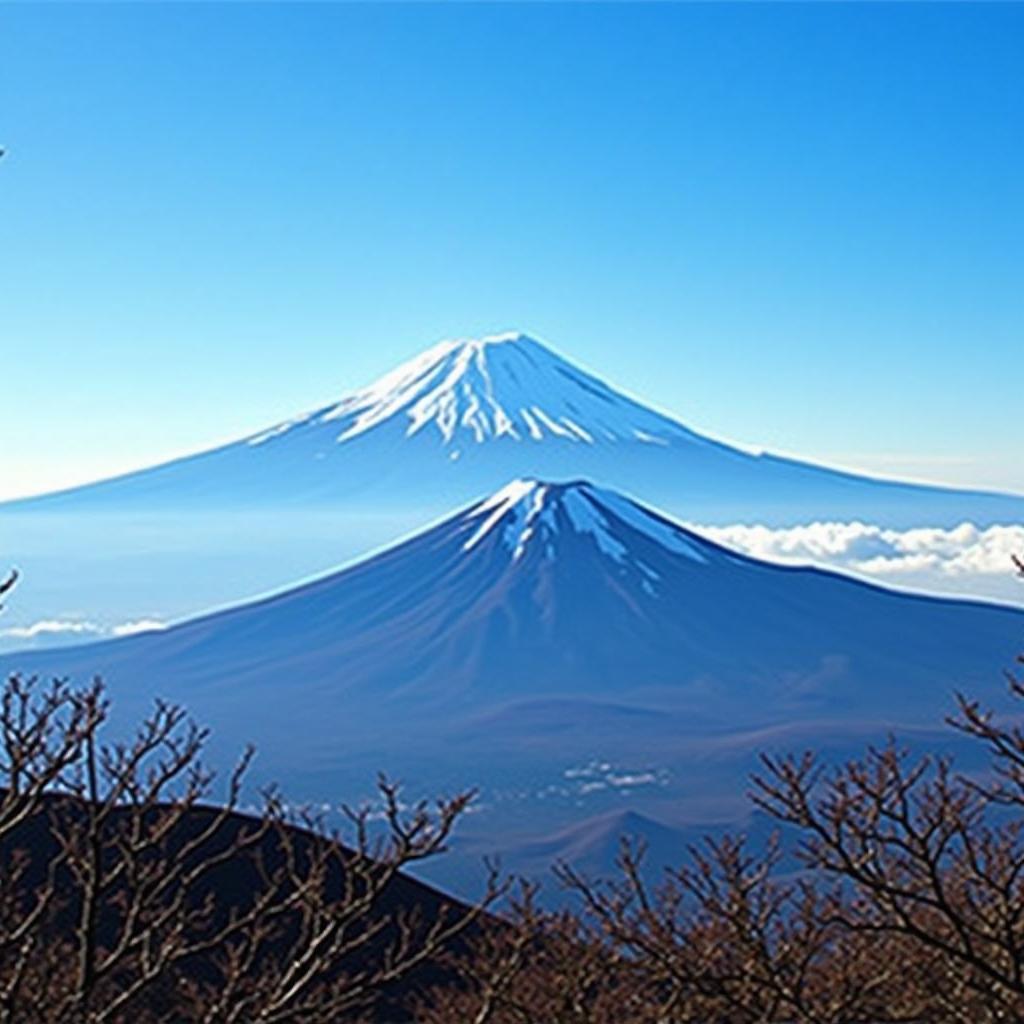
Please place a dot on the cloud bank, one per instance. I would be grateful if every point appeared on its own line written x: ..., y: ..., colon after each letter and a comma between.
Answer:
x: 70, y: 629
x: 52, y: 627
x: 961, y: 552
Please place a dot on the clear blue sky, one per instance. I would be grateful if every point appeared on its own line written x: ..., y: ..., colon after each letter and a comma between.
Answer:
x: 800, y: 227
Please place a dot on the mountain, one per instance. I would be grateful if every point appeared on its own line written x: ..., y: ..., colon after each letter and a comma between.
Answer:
x: 539, y: 634
x: 465, y: 416
x: 591, y: 846
x: 448, y: 427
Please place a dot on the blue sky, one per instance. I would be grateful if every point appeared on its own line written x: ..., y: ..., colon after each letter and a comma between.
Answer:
x: 797, y: 226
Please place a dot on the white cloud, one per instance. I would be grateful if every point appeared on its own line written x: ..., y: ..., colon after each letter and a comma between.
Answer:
x: 598, y: 775
x: 637, y: 779
x: 68, y: 629
x: 963, y: 551
x: 52, y: 627
x: 138, y: 626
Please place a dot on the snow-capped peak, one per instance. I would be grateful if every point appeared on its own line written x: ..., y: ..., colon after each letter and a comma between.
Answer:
x: 501, y: 386
x: 527, y: 512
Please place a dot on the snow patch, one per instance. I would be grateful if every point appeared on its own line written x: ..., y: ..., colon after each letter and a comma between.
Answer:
x: 642, y: 435
x: 281, y: 428
x: 662, y: 532
x: 509, y: 500
x: 526, y: 510
x: 586, y: 518
x: 501, y: 387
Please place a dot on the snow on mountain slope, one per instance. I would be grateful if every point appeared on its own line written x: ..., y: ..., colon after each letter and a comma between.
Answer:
x: 500, y: 386
x: 526, y: 510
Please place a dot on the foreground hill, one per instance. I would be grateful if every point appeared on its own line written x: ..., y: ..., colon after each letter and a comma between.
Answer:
x: 174, y: 945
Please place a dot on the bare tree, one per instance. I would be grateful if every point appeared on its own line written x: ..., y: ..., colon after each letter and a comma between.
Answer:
x: 912, y: 842
x: 927, y: 855
x: 8, y: 584
x: 112, y: 906
x: 724, y: 938
x: 120, y: 898
x: 903, y: 900
x: 534, y: 965
x: 721, y: 939
x: 338, y: 954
